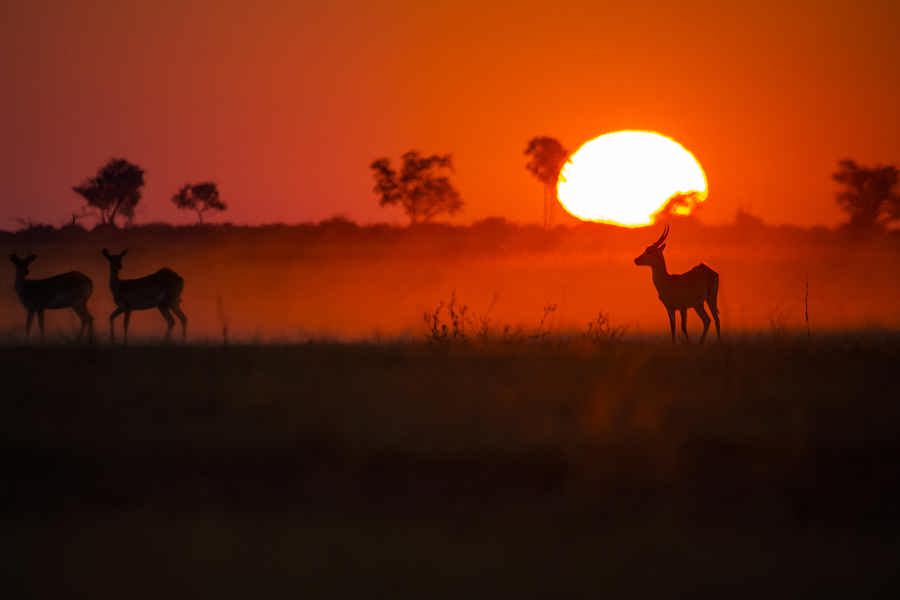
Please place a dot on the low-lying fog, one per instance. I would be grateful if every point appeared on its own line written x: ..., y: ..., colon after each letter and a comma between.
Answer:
x: 337, y: 280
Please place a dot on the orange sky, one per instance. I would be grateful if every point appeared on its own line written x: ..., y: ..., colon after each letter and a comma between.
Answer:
x: 285, y: 104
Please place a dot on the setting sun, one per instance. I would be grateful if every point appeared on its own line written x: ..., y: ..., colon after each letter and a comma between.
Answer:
x: 626, y: 177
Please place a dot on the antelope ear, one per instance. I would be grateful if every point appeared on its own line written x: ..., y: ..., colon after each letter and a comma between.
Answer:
x: 105, y: 252
x: 30, y: 259
x: 124, y: 252
x: 663, y: 247
x: 14, y: 258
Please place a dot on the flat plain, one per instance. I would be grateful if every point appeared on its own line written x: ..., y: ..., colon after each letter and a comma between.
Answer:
x: 547, y: 467
x: 318, y: 433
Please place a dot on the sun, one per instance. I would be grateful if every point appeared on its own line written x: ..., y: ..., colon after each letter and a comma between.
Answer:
x: 626, y: 177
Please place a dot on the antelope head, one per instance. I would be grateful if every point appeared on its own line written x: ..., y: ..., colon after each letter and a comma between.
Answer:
x: 115, y: 260
x: 22, y: 264
x: 653, y: 254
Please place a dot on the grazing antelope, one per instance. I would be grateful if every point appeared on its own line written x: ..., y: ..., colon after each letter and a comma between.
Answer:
x: 68, y: 290
x: 684, y: 291
x: 160, y: 290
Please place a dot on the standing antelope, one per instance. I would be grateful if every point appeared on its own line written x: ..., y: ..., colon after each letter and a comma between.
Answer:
x: 684, y: 291
x: 160, y: 290
x: 67, y: 290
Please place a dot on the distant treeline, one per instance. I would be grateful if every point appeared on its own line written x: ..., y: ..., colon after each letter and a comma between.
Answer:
x: 493, y: 232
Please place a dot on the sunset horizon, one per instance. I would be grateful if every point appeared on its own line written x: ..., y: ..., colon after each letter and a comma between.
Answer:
x: 285, y: 106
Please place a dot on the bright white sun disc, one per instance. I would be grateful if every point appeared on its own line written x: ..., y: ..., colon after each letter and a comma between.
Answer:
x: 625, y: 177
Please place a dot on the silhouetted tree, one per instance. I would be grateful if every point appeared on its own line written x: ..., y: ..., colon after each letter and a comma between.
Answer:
x: 679, y: 205
x: 422, y: 187
x: 199, y: 197
x: 868, y: 196
x: 546, y: 160
x: 115, y: 190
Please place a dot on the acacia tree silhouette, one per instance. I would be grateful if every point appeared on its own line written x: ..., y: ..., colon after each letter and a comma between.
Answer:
x: 546, y: 159
x: 114, y: 191
x: 422, y: 187
x: 680, y: 205
x: 199, y: 197
x: 868, y: 196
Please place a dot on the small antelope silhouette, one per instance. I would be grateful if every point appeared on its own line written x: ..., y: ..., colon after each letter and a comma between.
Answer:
x: 67, y: 290
x: 683, y: 291
x: 160, y: 290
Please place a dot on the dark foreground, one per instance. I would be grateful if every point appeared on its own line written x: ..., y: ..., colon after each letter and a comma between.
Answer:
x: 560, y: 469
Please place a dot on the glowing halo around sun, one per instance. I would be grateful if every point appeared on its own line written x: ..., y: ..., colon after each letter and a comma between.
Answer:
x: 626, y: 177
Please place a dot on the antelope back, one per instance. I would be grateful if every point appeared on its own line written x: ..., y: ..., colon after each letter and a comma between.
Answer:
x: 687, y: 290
x: 60, y: 291
x: 161, y: 288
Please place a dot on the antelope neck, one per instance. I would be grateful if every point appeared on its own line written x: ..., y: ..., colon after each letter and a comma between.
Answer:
x: 113, y: 280
x: 660, y: 273
x: 20, y: 283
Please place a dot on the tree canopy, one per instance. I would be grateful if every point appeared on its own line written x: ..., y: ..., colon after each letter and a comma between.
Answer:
x: 422, y: 187
x: 868, y: 196
x: 546, y: 158
x: 199, y: 197
x: 115, y: 190
x: 679, y: 205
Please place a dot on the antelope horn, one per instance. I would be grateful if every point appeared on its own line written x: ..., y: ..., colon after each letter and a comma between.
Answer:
x: 663, y: 237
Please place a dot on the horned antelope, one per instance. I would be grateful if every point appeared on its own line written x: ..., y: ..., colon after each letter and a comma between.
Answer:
x: 160, y: 290
x: 67, y: 290
x: 683, y: 291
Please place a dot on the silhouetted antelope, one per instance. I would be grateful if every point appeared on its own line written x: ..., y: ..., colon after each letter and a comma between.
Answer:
x: 684, y: 291
x: 68, y: 290
x: 160, y: 290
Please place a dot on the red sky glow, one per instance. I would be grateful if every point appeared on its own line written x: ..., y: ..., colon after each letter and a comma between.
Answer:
x: 286, y: 104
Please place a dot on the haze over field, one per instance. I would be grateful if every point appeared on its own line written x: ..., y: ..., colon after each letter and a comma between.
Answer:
x: 341, y: 281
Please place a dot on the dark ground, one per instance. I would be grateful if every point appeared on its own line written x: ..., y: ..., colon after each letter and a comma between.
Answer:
x: 560, y: 468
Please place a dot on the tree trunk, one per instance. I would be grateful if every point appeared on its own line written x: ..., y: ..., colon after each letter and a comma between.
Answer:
x: 112, y: 213
x: 549, y: 198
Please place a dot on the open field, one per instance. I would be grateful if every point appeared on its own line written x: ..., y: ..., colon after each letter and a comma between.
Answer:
x: 339, y: 281
x: 559, y: 467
